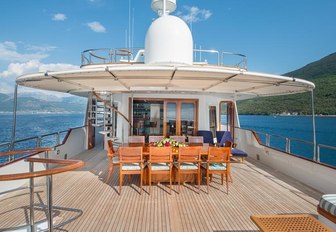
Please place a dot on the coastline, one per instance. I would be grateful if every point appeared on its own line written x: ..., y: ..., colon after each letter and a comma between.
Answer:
x: 41, y: 112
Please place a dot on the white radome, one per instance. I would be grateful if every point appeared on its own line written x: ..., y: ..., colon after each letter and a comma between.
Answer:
x: 169, y: 41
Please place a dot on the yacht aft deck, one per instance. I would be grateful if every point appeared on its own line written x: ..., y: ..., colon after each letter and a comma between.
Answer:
x: 255, y: 190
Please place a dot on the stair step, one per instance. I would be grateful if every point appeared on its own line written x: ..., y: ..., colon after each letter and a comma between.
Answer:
x: 104, y: 132
x: 98, y: 124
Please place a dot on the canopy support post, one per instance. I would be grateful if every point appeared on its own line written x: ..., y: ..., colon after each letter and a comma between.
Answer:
x: 314, y: 128
x: 14, y: 119
x: 131, y: 114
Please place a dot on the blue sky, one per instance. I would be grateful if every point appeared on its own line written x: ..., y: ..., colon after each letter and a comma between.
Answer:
x: 277, y: 36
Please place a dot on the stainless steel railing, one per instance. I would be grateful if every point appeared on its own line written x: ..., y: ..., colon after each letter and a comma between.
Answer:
x: 45, y: 140
x: 136, y: 55
x: 288, y: 145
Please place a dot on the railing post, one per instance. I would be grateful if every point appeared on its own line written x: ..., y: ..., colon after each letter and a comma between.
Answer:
x: 268, y: 140
x: 39, y: 141
x: 58, y: 138
x: 31, y: 205
x: 49, y: 196
x: 288, y: 145
x: 318, y: 153
x: 314, y: 129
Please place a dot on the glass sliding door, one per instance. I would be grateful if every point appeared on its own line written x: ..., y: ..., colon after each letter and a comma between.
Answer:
x: 188, y: 111
x: 147, y: 117
x: 180, y: 117
x: 171, y: 116
x: 227, y: 116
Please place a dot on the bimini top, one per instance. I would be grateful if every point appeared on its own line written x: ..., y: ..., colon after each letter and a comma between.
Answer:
x: 167, y: 64
x: 234, y: 82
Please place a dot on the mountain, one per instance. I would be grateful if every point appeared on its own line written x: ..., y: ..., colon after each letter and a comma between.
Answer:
x: 30, y: 103
x: 322, y: 73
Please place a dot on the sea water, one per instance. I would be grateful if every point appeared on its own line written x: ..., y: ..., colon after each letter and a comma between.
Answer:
x: 297, y: 128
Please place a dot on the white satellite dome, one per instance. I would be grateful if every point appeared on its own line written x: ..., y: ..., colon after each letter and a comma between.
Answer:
x: 169, y: 41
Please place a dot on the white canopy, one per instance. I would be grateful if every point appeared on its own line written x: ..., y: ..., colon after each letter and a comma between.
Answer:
x: 233, y: 82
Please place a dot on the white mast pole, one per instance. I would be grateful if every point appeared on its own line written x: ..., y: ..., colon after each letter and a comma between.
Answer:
x: 164, y: 8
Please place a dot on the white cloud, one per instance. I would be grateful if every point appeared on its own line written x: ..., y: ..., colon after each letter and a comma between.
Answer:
x: 40, y: 48
x: 59, y: 17
x: 194, y: 14
x: 96, y: 27
x: 8, y: 76
x: 8, y: 52
x: 17, y: 69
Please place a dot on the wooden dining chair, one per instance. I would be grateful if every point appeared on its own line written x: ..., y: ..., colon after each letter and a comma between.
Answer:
x: 160, y: 162
x: 178, y: 138
x: 189, y: 162
x: 136, y: 139
x: 112, y: 158
x: 155, y: 138
x: 218, y: 162
x: 131, y: 162
x: 195, y: 140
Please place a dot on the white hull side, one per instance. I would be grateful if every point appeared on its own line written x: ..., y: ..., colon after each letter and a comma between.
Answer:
x: 75, y: 144
x: 317, y: 176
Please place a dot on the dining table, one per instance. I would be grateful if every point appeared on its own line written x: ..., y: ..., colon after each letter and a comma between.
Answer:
x: 175, y: 153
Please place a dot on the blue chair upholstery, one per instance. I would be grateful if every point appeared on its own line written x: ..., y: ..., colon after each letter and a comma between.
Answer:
x: 207, y: 136
x: 227, y: 137
x: 238, y: 153
x: 219, y: 135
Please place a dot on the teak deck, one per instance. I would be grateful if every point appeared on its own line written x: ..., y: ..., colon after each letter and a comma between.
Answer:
x: 255, y: 190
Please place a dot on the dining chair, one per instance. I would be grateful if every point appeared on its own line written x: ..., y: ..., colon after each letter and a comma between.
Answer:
x: 218, y: 162
x: 178, y: 138
x: 207, y: 136
x: 154, y: 138
x: 112, y: 158
x: 189, y: 162
x: 136, y: 139
x: 195, y: 140
x: 160, y: 162
x: 131, y: 162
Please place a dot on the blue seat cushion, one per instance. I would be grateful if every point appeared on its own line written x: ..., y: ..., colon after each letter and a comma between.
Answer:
x: 328, y: 203
x: 237, y: 152
x: 219, y: 135
x: 207, y: 136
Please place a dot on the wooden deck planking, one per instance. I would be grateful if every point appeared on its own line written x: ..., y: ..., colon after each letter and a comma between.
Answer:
x: 253, y: 191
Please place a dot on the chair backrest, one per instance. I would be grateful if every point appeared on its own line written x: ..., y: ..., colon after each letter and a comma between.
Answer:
x: 154, y: 139
x: 219, y: 154
x: 110, y: 150
x: 130, y: 154
x: 160, y: 154
x: 226, y: 140
x: 178, y: 138
x: 189, y: 154
x: 207, y: 136
x: 219, y: 135
x: 136, y: 139
x: 195, y: 140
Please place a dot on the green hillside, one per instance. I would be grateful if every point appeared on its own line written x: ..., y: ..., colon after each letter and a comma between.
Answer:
x: 31, y: 104
x: 322, y: 73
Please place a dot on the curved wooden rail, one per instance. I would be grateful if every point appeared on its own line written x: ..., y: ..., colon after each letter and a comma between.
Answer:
x: 112, y: 107
x: 35, y: 150
x: 70, y: 165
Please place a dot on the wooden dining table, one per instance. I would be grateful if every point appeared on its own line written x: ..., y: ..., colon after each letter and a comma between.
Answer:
x: 175, y: 152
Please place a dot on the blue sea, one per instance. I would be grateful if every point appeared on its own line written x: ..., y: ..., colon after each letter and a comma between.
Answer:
x: 295, y: 127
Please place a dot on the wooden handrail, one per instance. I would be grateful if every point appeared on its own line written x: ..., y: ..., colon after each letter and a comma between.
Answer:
x: 70, y: 165
x: 34, y: 150
x: 112, y: 107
